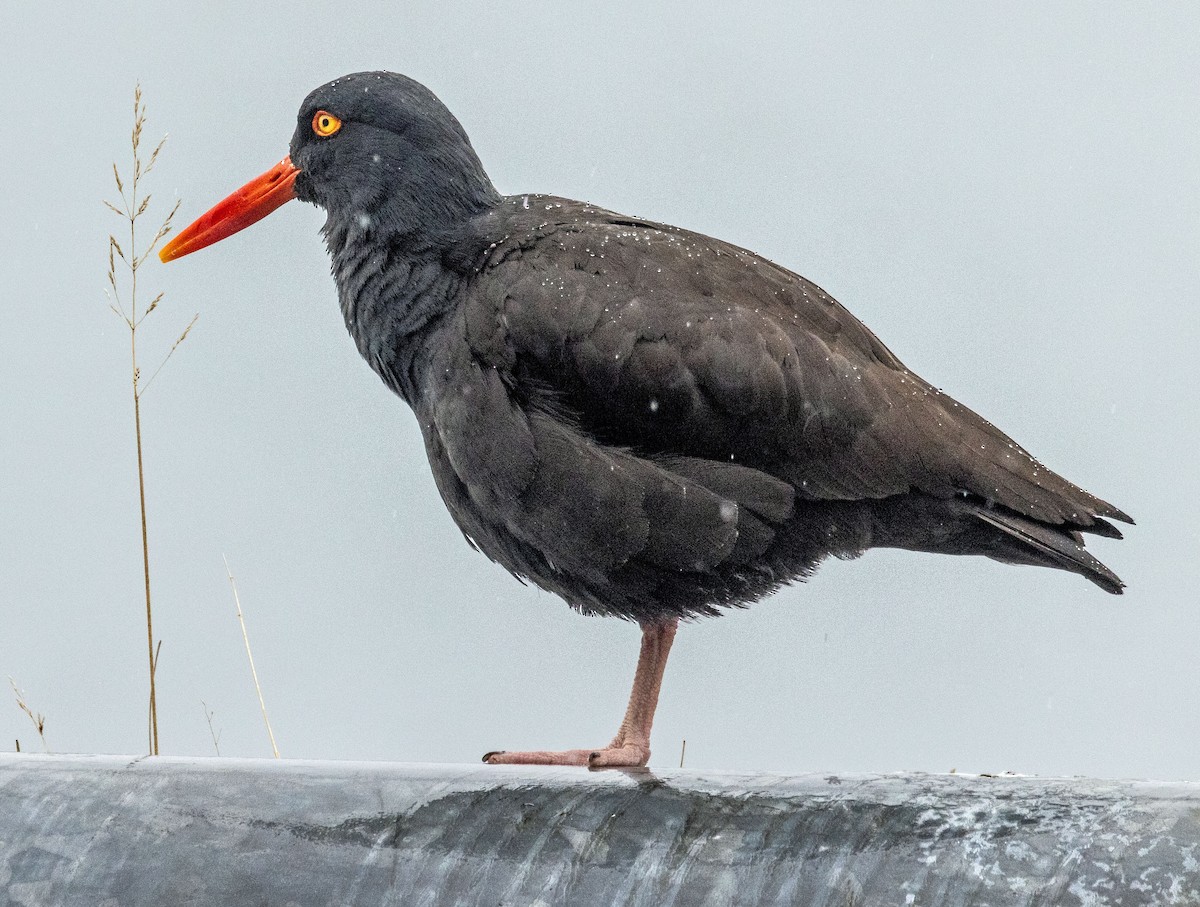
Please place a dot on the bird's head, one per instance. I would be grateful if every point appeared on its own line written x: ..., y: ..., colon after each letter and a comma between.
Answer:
x: 378, y: 151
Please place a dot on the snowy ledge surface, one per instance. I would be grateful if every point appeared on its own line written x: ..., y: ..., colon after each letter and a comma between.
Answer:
x: 92, y: 830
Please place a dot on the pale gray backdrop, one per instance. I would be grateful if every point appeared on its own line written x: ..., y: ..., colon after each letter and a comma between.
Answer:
x: 1007, y: 195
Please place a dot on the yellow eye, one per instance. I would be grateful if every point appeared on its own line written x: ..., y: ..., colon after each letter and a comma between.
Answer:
x: 325, y: 123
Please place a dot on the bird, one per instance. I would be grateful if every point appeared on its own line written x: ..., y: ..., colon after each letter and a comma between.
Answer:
x: 651, y: 423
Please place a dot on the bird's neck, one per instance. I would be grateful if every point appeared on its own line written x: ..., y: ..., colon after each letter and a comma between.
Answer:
x: 394, y: 291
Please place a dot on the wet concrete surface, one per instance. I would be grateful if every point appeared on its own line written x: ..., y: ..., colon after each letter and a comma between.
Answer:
x: 113, y: 831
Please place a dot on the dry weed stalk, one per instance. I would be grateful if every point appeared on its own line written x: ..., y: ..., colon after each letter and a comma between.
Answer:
x: 38, y: 719
x: 132, y: 208
x: 215, y: 734
x: 250, y: 655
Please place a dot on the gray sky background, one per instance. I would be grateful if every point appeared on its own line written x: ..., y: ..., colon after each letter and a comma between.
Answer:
x: 1008, y: 195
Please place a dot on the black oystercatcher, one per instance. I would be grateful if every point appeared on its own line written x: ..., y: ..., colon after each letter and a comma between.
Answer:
x: 649, y: 422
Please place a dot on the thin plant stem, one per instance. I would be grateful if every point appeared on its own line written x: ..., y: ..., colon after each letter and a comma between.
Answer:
x: 137, y: 417
x: 137, y: 422
x: 38, y: 719
x: 212, y: 732
x: 131, y: 208
x: 171, y: 352
x: 152, y: 717
x: 250, y: 655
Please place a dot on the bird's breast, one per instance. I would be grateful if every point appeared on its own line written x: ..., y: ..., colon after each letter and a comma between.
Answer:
x: 393, y: 305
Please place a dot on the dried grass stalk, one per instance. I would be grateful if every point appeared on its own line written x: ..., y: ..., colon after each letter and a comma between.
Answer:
x: 134, y: 206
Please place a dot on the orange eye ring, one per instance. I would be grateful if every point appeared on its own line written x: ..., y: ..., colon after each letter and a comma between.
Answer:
x: 325, y: 123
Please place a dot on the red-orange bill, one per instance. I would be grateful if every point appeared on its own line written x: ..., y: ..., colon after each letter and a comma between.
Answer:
x: 251, y: 203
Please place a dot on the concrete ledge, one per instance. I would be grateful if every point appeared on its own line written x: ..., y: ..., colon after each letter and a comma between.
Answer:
x: 123, y: 831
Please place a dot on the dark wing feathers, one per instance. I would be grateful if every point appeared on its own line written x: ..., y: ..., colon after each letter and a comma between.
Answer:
x: 755, y: 501
x: 564, y: 503
x: 761, y: 494
x: 663, y: 341
x: 494, y: 454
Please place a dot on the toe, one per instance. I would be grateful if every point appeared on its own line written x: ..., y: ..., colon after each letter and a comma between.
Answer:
x: 627, y: 756
x: 539, y: 757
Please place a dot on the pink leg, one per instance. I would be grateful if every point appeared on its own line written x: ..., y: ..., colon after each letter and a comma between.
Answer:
x: 631, y: 746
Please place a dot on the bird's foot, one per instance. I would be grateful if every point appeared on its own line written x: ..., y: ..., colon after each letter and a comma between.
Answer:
x: 630, y: 748
x: 629, y: 755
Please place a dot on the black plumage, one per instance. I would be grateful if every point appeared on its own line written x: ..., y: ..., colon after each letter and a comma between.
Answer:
x: 645, y: 420
x: 649, y: 422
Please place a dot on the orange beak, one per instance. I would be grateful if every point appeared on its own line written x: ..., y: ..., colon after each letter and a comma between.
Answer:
x: 251, y: 203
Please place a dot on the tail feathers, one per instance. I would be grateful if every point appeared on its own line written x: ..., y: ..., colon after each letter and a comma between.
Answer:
x: 1056, y: 546
x: 1103, y: 528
